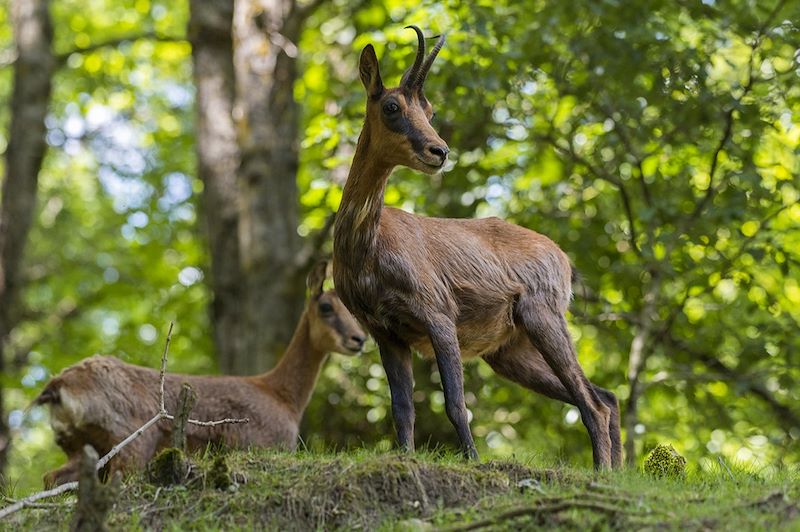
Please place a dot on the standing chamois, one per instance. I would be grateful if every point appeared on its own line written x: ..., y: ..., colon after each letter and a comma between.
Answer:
x: 102, y: 400
x: 453, y: 288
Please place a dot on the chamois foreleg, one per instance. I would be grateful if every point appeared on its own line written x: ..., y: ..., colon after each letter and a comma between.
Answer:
x: 520, y: 362
x: 397, y: 363
x: 448, y: 358
x: 66, y: 473
x: 547, y: 331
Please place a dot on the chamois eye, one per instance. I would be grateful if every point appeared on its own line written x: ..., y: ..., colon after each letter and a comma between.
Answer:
x: 391, y: 108
x: 325, y: 308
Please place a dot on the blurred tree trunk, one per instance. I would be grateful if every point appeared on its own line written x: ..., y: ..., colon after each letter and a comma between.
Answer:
x: 265, y: 33
x: 210, y: 27
x: 248, y: 134
x: 33, y: 71
x: 637, y: 360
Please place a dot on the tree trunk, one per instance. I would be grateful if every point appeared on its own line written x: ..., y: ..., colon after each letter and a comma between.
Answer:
x: 265, y: 33
x: 210, y: 32
x: 249, y: 169
x: 33, y: 71
x: 637, y: 359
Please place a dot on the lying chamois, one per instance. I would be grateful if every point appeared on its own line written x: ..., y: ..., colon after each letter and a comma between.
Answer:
x: 102, y: 400
x: 453, y: 288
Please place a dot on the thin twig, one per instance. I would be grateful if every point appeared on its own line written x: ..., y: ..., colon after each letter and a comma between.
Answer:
x: 539, y: 510
x: 118, y: 447
x: 723, y: 268
x: 227, y: 420
x: 39, y: 505
x: 619, y: 129
x: 603, y: 176
x: 729, y: 121
x: 155, y: 497
x: 22, y: 503
x: 116, y: 41
x: 306, y: 256
x: 162, y: 374
x: 725, y: 467
x: 302, y: 443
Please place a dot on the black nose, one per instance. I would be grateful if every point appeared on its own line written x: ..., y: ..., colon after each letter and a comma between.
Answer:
x: 439, y: 151
x: 358, y: 339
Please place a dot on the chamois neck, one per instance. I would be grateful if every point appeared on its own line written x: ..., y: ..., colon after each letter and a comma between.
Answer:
x: 294, y: 377
x: 362, y: 202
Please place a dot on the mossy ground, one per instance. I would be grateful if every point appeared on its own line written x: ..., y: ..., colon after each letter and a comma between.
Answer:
x: 392, y: 491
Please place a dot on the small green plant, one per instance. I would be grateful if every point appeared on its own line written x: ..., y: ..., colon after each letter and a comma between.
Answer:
x: 665, y: 462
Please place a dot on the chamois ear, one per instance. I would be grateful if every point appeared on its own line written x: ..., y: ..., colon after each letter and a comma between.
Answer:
x: 316, y: 278
x: 370, y: 72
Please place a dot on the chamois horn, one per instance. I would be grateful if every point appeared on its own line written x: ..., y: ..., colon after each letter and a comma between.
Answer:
x: 411, y: 73
x: 426, y: 66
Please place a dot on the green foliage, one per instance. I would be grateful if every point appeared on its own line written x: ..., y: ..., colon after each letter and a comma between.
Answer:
x: 656, y: 142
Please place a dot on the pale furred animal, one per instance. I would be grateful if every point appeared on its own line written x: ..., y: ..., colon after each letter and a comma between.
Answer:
x: 101, y: 400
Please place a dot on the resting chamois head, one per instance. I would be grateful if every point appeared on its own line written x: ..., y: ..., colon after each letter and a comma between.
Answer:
x: 398, y: 119
x: 332, y: 327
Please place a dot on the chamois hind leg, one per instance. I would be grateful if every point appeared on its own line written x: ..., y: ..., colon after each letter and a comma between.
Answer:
x: 547, y: 331
x: 520, y: 362
x: 397, y: 362
x: 448, y: 358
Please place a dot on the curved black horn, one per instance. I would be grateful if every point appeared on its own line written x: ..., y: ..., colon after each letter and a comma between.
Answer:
x: 411, y: 73
x: 426, y: 66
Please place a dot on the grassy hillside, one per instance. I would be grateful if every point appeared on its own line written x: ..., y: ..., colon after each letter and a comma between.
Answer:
x: 435, y: 492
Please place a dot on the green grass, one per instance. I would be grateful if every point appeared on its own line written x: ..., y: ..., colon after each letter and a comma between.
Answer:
x: 430, y: 491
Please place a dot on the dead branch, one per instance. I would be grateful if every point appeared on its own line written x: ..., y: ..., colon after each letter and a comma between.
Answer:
x: 541, y: 510
x: 725, y: 466
x: 599, y: 173
x: 226, y: 421
x: 38, y: 505
x: 23, y: 503
x: 116, y: 41
x: 729, y: 122
x: 309, y: 253
x: 185, y: 403
x: 121, y: 445
x: 163, y: 372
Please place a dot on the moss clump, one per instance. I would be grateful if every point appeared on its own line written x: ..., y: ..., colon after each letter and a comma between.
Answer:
x: 169, y: 467
x: 665, y: 462
x: 219, y: 476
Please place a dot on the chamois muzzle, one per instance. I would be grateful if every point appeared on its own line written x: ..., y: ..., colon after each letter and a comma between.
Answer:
x: 439, y: 152
x: 355, y: 343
